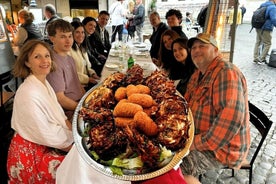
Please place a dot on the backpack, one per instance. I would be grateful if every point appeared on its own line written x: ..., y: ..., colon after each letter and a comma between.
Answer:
x: 202, y: 16
x: 258, y: 18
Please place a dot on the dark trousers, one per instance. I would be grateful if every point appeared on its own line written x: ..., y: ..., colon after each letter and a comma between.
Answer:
x: 117, y: 29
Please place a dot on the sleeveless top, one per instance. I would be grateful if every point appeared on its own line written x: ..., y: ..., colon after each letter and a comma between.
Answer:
x: 33, y: 31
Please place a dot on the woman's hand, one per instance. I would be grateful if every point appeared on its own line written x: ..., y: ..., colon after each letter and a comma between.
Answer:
x: 93, y: 80
x: 156, y: 62
x: 95, y: 76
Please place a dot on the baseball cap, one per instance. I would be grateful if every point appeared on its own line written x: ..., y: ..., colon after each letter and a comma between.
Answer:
x: 204, y: 37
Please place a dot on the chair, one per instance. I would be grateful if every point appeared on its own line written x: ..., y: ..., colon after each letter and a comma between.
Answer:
x: 263, y: 125
x: 5, y: 78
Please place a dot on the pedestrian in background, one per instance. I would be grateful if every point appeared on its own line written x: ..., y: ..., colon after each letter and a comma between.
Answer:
x: 201, y: 17
x: 117, y: 13
x: 139, y: 18
x: 27, y: 30
x: 243, y: 11
x: 264, y: 35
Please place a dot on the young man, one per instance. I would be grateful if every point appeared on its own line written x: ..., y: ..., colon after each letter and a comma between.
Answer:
x: 264, y: 35
x: 64, y: 80
x: 158, y: 28
x: 103, y: 42
x: 217, y: 96
x: 139, y: 18
x: 174, y: 20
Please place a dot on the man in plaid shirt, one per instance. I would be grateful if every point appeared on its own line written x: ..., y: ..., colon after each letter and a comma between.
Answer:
x: 217, y: 97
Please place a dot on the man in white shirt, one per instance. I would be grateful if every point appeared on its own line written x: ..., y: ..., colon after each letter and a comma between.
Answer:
x: 118, y: 13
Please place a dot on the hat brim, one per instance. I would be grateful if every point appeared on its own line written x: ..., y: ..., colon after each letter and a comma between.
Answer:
x: 191, y: 41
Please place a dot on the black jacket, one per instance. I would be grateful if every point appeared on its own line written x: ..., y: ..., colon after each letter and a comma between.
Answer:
x: 102, y: 48
x: 155, y: 39
x: 179, y: 31
x: 97, y: 63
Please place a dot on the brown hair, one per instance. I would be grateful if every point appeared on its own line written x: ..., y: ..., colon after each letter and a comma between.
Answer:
x: 26, y: 15
x: 59, y: 24
x: 20, y: 69
x: 163, y: 51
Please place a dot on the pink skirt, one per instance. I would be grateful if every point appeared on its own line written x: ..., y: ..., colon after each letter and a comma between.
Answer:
x: 31, y: 163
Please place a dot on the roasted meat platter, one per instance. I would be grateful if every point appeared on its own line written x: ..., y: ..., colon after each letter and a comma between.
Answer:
x: 132, y: 127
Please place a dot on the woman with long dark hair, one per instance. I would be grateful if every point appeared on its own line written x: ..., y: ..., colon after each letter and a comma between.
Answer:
x: 185, y: 66
x: 96, y: 59
x: 86, y: 74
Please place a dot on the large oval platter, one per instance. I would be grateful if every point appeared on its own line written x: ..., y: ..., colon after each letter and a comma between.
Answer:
x: 81, y: 143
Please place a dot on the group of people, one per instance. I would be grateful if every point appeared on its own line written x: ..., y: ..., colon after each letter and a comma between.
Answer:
x: 215, y: 90
x: 55, y: 79
x: 55, y: 76
x: 134, y: 14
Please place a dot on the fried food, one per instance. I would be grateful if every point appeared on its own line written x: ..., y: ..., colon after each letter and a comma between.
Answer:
x: 131, y: 89
x: 120, y: 93
x: 122, y: 122
x: 126, y: 109
x: 144, y: 100
x: 151, y: 111
x: 143, y: 89
x: 145, y: 123
x: 100, y: 97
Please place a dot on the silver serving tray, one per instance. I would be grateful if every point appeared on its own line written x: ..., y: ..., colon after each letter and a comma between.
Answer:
x: 80, y: 142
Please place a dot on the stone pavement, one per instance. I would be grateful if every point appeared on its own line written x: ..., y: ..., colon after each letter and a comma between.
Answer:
x: 261, y: 81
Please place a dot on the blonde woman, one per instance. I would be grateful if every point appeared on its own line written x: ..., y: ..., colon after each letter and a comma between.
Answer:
x: 27, y: 30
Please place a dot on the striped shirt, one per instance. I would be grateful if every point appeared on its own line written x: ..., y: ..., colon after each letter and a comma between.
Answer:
x: 219, y: 104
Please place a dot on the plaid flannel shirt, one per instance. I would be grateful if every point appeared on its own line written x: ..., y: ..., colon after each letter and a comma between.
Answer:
x: 219, y: 104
